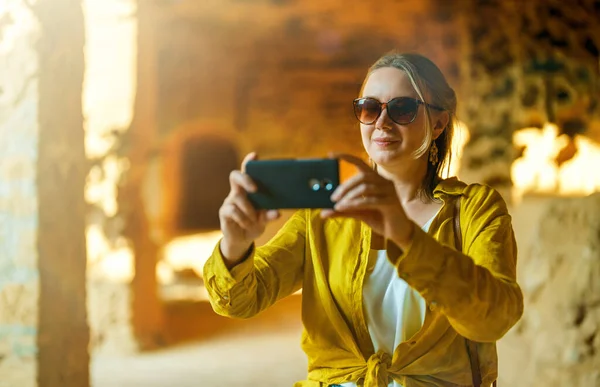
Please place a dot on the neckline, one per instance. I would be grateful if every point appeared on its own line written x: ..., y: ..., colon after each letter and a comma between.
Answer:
x: 427, y: 224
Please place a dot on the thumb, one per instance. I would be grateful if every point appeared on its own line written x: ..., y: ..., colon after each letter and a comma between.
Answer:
x: 249, y: 156
x: 272, y: 215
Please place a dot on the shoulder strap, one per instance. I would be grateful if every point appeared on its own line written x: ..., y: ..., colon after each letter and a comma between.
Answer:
x: 471, y: 345
x: 457, y: 229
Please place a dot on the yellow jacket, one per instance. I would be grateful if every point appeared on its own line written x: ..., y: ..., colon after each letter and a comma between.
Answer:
x: 474, y: 294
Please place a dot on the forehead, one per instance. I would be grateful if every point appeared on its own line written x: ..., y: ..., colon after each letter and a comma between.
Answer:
x: 387, y: 83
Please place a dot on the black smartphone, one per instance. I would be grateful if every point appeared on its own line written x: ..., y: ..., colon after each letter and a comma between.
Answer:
x: 293, y: 183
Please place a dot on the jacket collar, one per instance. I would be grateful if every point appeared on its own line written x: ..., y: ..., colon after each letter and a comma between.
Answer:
x: 451, y: 186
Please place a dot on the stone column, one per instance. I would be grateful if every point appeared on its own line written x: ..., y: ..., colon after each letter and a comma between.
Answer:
x: 43, y: 327
x: 63, y: 332
x: 148, y: 315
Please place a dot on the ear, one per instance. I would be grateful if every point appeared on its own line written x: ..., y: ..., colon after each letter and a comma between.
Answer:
x: 441, y: 122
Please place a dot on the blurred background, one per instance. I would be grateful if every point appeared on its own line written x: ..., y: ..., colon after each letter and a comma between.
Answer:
x: 120, y: 121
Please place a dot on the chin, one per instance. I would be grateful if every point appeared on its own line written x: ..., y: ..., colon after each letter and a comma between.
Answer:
x: 396, y: 161
x: 387, y: 157
x: 387, y: 162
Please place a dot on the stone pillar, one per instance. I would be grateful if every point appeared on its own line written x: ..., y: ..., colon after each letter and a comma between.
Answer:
x: 43, y: 328
x: 19, y: 276
x: 148, y: 313
x: 557, y: 342
x: 63, y: 332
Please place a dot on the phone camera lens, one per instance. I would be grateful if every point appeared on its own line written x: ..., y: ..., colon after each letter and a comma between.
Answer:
x: 314, y: 185
x: 328, y: 185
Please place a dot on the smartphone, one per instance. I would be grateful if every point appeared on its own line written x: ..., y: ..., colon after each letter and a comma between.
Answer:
x: 293, y: 183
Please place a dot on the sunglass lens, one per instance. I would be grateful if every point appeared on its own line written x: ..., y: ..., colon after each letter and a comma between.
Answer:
x: 367, y: 110
x: 402, y: 110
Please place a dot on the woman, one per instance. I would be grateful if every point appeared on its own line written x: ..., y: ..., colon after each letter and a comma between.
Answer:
x: 390, y: 297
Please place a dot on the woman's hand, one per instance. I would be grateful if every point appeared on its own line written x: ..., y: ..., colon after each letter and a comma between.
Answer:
x: 241, y: 223
x: 369, y: 197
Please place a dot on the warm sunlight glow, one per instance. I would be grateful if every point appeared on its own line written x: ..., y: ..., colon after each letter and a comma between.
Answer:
x: 108, y: 99
x: 459, y: 140
x: 16, y: 21
x: 581, y: 175
x: 538, y: 170
x: 110, y: 71
x: 179, y: 272
x: 189, y: 252
x: 106, y: 260
x: 101, y: 184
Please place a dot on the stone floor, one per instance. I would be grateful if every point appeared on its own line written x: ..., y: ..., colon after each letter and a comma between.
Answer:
x: 258, y: 352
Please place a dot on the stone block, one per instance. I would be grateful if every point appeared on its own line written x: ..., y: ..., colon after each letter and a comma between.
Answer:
x: 556, y: 342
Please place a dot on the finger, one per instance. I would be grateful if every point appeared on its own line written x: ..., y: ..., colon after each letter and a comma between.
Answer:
x: 265, y: 217
x: 364, y: 190
x: 250, y: 156
x: 328, y: 213
x: 244, y: 205
x: 241, y: 183
x: 371, y: 179
x: 357, y: 161
x: 232, y: 213
x: 362, y: 203
x: 272, y: 215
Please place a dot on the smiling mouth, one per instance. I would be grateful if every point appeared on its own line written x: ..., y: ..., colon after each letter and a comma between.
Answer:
x: 385, y: 142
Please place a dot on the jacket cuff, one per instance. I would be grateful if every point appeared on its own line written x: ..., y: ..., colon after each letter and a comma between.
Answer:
x: 228, y: 278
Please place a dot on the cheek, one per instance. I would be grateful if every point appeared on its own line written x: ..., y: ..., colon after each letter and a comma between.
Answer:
x: 416, y: 130
x: 365, y: 133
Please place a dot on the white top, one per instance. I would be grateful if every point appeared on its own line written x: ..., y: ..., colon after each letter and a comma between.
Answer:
x: 394, y: 311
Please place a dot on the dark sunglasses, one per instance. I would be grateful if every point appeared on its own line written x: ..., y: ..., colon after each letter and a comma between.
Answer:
x: 402, y: 110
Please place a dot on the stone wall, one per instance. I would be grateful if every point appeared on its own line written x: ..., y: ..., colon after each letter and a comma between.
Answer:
x: 557, y: 342
x: 525, y: 64
x: 19, y: 286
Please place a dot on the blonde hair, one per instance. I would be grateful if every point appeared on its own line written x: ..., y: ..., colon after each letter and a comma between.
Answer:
x: 424, y: 75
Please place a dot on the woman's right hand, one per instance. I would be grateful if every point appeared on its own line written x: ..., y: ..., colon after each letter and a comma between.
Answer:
x: 241, y: 223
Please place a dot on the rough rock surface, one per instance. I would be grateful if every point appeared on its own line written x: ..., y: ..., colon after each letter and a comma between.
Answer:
x: 557, y: 342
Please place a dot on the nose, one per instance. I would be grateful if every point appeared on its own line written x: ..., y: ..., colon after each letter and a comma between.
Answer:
x: 383, y: 121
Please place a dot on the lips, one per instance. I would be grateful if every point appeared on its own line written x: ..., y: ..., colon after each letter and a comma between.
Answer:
x: 384, y: 141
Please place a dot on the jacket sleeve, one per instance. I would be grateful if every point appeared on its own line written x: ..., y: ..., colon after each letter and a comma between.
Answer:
x: 476, y: 289
x: 270, y: 273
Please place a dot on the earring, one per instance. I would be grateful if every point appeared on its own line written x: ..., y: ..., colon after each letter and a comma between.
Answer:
x: 433, y: 154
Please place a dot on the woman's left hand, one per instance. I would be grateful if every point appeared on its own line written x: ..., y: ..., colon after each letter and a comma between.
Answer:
x: 371, y: 198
